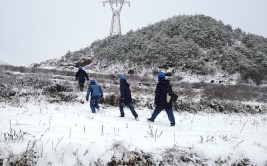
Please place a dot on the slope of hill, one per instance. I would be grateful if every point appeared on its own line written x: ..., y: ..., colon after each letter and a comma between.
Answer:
x: 44, y: 123
x: 69, y: 61
x: 69, y: 134
x: 198, y: 45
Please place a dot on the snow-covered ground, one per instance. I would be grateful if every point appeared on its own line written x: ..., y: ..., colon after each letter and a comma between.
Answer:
x: 69, y: 134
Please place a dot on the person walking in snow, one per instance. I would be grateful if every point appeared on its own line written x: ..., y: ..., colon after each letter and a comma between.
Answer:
x: 126, y: 97
x: 163, y: 87
x: 96, y: 94
x: 81, y: 75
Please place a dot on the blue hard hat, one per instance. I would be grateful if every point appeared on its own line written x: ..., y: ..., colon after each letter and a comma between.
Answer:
x: 161, y: 75
x: 92, y: 81
x: 122, y: 78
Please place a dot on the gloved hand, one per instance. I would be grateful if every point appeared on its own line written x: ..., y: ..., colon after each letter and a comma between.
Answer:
x: 86, y: 99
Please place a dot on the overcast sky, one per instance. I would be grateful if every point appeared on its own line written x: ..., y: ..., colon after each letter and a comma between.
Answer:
x: 32, y: 31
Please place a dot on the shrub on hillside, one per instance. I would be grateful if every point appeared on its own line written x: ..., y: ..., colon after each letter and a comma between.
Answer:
x: 111, y: 99
x: 52, y: 89
x: 233, y: 92
x: 201, y: 68
x: 6, y: 83
x: 62, y: 97
x: 114, y: 99
x: 222, y: 106
x: 59, y: 93
x: 255, y: 75
x: 6, y: 93
x: 28, y: 157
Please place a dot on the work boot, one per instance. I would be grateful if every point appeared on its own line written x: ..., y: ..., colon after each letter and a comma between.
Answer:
x: 150, y: 120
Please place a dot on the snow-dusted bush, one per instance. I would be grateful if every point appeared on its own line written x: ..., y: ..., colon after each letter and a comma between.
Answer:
x: 242, y: 162
x: 15, y: 87
x: 177, y: 156
x: 235, y: 92
x: 56, y: 89
x: 14, y: 135
x: 122, y: 156
x: 222, y: 106
x: 170, y: 156
x: 187, y: 105
x: 111, y: 99
x: 233, y: 107
x: 253, y: 74
x: 59, y: 93
x: 28, y: 157
x: 6, y: 93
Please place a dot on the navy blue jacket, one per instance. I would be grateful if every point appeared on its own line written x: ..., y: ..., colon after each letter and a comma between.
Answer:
x: 126, y: 96
x: 163, y: 87
x: 81, y: 75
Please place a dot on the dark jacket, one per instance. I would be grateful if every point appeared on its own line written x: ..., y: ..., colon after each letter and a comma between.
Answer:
x: 126, y: 96
x: 163, y: 87
x: 81, y: 75
x: 95, y: 91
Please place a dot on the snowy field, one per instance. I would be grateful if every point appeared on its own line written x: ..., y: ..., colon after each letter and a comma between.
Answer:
x: 69, y: 134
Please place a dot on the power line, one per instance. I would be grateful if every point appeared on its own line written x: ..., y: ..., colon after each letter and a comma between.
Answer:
x: 116, y: 7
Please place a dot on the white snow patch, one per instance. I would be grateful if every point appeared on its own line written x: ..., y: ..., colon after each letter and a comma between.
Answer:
x: 75, y: 134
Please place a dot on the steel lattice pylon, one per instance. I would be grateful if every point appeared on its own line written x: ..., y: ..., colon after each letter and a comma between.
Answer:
x: 116, y: 7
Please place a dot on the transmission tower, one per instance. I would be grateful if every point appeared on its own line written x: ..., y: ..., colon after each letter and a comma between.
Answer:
x: 116, y: 7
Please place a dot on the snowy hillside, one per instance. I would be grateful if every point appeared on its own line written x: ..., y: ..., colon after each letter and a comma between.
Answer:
x: 218, y: 73
x: 43, y: 122
x: 69, y: 134
x: 70, y: 61
x: 186, y: 45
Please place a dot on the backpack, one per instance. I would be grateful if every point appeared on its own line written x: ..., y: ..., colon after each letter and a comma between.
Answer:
x: 171, y: 97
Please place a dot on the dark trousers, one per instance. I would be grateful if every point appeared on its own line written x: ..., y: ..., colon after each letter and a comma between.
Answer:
x: 94, y: 103
x: 169, y: 112
x: 130, y: 105
x: 81, y: 86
